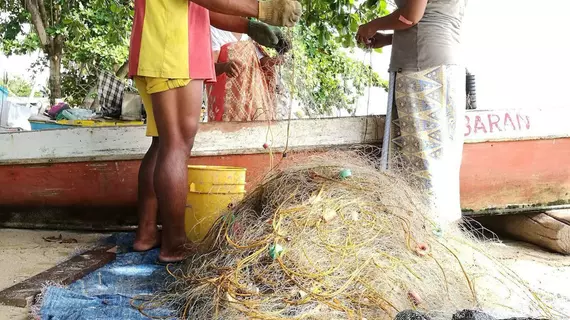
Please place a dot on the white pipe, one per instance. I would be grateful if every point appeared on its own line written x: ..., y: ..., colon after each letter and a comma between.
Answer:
x: 388, y: 123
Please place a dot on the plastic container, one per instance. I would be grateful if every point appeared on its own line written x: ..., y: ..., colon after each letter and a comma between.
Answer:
x: 3, y: 93
x: 213, y: 179
x: 77, y: 114
x: 212, y: 190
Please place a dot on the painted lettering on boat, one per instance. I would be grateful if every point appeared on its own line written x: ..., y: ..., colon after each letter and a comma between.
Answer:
x: 493, y: 122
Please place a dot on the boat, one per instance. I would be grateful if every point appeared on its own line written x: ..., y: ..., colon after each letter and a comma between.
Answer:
x: 48, y: 124
x: 514, y: 161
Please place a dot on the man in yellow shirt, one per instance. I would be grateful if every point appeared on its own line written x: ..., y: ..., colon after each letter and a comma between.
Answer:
x: 170, y: 59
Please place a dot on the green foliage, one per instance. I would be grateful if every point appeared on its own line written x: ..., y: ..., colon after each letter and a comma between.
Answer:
x: 97, y: 39
x: 326, y: 78
x: 94, y: 31
x: 338, y: 20
x: 18, y: 86
x: 95, y: 36
x: 13, y: 38
x: 75, y: 85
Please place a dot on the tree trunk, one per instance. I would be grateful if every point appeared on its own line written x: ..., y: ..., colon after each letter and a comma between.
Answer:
x: 39, y: 24
x: 123, y: 70
x: 54, y: 77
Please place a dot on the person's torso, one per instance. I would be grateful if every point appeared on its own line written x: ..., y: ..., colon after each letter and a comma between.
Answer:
x: 434, y: 41
x: 171, y: 39
x: 222, y: 37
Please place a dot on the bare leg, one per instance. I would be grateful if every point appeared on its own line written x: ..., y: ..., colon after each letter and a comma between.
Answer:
x: 147, y: 233
x: 177, y: 113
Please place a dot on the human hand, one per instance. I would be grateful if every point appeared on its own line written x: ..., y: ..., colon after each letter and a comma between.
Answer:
x: 262, y: 34
x: 280, y: 12
x: 283, y: 45
x: 380, y: 40
x: 270, y: 37
x: 231, y: 69
x: 365, y: 33
x: 271, y: 62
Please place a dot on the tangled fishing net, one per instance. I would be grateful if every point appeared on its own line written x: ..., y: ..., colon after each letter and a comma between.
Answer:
x: 335, y: 238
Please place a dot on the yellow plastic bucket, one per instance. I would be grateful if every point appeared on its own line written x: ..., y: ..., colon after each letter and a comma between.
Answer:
x: 212, y: 179
x: 212, y: 190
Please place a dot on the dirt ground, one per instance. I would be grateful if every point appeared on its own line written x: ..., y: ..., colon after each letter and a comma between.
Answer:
x: 546, y: 273
x: 24, y: 253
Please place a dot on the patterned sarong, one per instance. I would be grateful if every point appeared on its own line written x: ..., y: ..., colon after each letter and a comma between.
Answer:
x: 425, y: 133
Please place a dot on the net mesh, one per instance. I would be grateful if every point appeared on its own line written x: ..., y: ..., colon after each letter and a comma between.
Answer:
x: 256, y: 94
x: 334, y: 237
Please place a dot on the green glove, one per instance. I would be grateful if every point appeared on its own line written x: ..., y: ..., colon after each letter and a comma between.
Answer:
x: 283, y: 45
x: 262, y: 34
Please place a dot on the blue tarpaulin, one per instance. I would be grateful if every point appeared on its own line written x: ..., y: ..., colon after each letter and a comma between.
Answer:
x: 108, y: 292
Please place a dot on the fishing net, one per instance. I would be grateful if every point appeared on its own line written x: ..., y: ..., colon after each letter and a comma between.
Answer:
x: 333, y: 237
x: 255, y: 94
x: 289, y: 83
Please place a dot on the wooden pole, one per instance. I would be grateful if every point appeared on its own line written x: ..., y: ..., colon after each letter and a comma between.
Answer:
x: 550, y: 230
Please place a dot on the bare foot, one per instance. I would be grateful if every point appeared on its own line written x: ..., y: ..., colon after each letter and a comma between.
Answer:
x: 145, y: 241
x: 173, y: 255
x: 174, y: 259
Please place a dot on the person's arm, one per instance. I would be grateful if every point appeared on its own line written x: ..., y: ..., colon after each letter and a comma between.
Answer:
x: 275, y: 12
x: 268, y: 62
x: 229, y: 23
x: 244, y: 8
x: 220, y: 68
x: 380, y: 40
x: 258, y: 31
x: 230, y: 68
x: 401, y: 19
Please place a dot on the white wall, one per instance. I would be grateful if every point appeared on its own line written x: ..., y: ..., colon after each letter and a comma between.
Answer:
x: 519, y: 52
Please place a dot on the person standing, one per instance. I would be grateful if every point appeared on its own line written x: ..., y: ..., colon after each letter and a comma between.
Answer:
x: 246, y: 85
x: 427, y: 97
x: 170, y: 59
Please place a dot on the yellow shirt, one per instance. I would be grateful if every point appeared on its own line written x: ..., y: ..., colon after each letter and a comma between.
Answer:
x: 171, y: 39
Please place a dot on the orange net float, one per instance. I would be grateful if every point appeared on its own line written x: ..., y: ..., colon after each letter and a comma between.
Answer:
x: 415, y: 298
x: 422, y: 249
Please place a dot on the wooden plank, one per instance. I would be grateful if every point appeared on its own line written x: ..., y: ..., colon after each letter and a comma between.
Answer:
x: 516, y: 124
x: 514, y: 173
x: 560, y: 215
x: 540, y: 229
x: 80, y: 185
x: 121, y: 143
x: 23, y: 293
x: 493, y: 175
x: 227, y: 138
x: 86, y: 218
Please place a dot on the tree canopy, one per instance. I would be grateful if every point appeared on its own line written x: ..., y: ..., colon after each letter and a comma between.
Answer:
x: 86, y: 36
x: 332, y: 79
x: 338, y: 20
x: 74, y: 33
